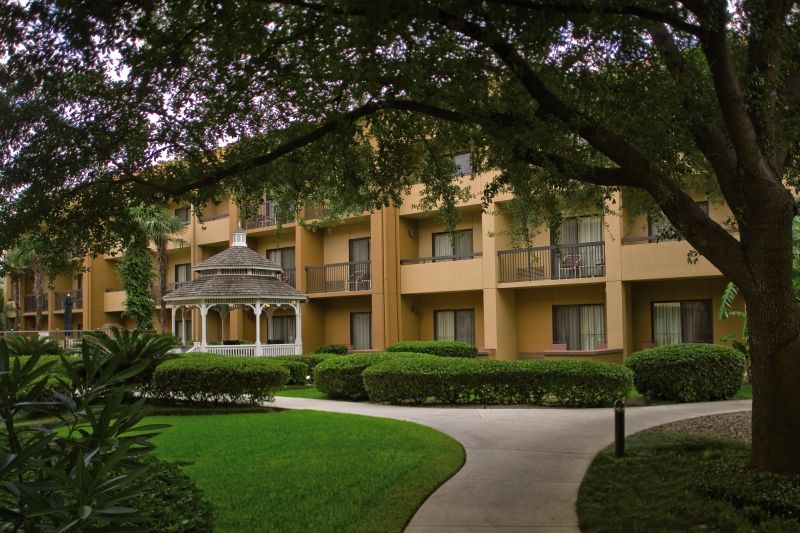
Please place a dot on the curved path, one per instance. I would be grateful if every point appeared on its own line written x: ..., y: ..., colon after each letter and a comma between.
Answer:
x: 524, y: 465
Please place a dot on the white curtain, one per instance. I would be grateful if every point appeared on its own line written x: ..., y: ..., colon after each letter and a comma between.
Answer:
x: 593, y: 326
x: 667, y: 323
x: 361, y: 331
x: 442, y: 244
x: 462, y: 243
x: 445, y: 326
x: 455, y: 325
x: 283, y: 329
x: 465, y: 326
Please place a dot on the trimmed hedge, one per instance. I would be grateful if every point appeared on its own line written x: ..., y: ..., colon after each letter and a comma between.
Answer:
x: 466, y: 381
x: 338, y: 349
x: 340, y: 377
x: 310, y: 360
x: 688, y: 372
x: 219, y: 379
x: 440, y: 348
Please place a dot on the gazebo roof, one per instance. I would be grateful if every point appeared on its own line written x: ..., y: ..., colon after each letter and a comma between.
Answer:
x: 237, y: 257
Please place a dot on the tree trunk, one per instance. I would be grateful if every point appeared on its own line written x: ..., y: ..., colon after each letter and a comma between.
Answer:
x: 38, y: 290
x: 161, y: 259
x: 17, y: 301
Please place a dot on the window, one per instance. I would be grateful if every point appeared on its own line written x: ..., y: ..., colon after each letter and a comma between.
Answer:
x: 682, y: 321
x: 359, y: 275
x: 361, y: 331
x: 79, y: 282
x: 463, y: 163
x: 660, y: 229
x: 454, y: 325
x: 182, y: 214
x: 284, y: 258
x: 580, y: 327
x: 282, y: 329
x: 182, y: 274
x: 456, y: 244
x: 579, y: 252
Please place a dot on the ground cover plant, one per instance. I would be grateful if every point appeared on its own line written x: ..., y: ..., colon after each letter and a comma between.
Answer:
x: 300, y: 471
x: 677, y: 482
x: 426, y: 379
x: 688, y: 372
x: 440, y: 348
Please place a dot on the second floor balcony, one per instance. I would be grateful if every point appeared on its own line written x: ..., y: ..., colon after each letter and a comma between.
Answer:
x: 351, y: 276
x: 564, y: 261
x: 29, y: 303
x: 77, y: 299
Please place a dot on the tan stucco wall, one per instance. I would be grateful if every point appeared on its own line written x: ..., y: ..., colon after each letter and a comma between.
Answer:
x: 425, y: 305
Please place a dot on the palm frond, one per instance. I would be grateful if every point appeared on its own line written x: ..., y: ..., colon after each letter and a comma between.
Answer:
x: 726, y: 302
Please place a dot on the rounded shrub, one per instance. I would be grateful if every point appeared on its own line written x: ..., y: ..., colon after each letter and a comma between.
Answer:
x: 219, y: 379
x: 337, y: 349
x: 440, y: 348
x: 688, y: 372
x: 310, y: 360
x: 470, y: 381
x: 340, y: 377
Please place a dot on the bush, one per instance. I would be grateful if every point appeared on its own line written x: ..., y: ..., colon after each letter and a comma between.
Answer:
x: 219, y: 379
x: 298, y: 370
x: 340, y: 377
x: 310, y: 360
x: 173, y: 504
x: 57, y: 376
x: 688, y: 372
x: 440, y: 348
x: 337, y: 349
x: 425, y: 379
x: 23, y: 345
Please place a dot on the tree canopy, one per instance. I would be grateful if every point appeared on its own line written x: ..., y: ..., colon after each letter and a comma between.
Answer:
x: 348, y: 103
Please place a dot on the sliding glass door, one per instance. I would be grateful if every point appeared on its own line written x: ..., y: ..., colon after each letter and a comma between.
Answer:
x: 682, y: 321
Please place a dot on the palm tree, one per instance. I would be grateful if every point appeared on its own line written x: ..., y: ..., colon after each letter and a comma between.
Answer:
x: 159, y: 226
x: 28, y: 257
x: 15, y: 266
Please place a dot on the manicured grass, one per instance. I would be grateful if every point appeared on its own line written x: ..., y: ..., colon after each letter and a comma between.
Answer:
x: 745, y: 392
x: 659, y: 486
x: 302, y: 391
x: 309, y: 471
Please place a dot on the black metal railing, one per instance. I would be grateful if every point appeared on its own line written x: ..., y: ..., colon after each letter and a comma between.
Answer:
x: 565, y: 261
x: 77, y: 299
x: 30, y: 303
x: 336, y: 277
x: 289, y: 276
x: 268, y: 214
x: 440, y: 258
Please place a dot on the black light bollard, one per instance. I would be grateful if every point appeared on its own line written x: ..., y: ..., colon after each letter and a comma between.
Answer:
x: 619, y: 427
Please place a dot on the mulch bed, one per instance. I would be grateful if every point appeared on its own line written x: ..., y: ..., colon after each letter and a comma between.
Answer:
x: 736, y: 426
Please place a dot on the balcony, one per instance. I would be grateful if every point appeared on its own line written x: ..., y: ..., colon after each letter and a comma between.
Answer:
x: 268, y: 214
x: 431, y: 274
x: 289, y: 276
x: 566, y: 261
x: 215, y: 229
x: 77, y: 299
x: 339, y: 277
x: 114, y: 300
x: 648, y: 258
x: 30, y: 303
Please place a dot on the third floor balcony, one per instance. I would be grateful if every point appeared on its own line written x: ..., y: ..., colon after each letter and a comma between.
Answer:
x: 352, y: 276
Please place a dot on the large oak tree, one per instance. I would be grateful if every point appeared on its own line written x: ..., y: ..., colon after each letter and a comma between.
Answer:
x: 348, y: 103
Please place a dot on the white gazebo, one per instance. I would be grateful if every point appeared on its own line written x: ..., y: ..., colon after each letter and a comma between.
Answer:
x: 239, y: 278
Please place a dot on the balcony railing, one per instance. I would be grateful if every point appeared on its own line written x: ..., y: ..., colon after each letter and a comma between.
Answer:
x: 77, y: 299
x: 440, y: 258
x: 337, y: 277
x: 289, y: 276
x: 211, y: 218
x: 30, y: 303
x: 565, y: 261
x: 268, y: 214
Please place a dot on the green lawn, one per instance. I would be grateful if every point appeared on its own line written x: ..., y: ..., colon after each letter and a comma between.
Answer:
x: 662, y: 485
x: 309, y: 471
x: 302, y: 391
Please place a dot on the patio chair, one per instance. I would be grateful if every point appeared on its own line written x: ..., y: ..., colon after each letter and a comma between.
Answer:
x: 569, y: 266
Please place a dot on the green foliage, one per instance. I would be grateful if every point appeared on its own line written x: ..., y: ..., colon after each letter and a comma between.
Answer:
x: 310, y: 360
x: 82, y: 471
x: 340, y: 377
x: 688, y: 372
x: 440, y: 348
x: 3, y: 315
x: 32, y: 345
x: 136, y: 271
x: 298, y: 370
x: 339, y: 349
x: 468, y: 381
x: 219, y: 379
x: 174, y: 504
x: 133, y: 346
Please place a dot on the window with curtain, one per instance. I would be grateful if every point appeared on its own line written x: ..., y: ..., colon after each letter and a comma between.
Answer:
x: 283, y: 329
x: 182, y: 214
x: 283, y: 257
x: 182, y: 274
x: 359, y: 259
x: 458, y: 325
x: 361, y: 331
x: 580, y: 327
x: 682, y: 321
x: 463, y: 163
x: 576, y: 255
x: 453, y: 244
x: 660, y: 229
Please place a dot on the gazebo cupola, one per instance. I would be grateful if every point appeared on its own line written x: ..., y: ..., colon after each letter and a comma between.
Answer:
x: 240, y: 278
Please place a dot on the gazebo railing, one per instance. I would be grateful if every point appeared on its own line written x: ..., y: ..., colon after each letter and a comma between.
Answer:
x: 250, y: 350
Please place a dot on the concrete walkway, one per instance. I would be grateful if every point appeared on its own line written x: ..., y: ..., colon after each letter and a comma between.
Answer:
x: 524, y: 466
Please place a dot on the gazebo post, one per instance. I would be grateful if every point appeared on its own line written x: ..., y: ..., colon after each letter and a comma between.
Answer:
x: 203, y: 314
x: 173, y: 319
x: 258, y: 308
x: 298, y: 340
